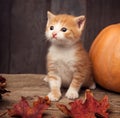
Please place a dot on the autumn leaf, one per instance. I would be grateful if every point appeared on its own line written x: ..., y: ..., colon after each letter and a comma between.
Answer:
x: 2, y: 86
x: 2, y: 82
x: 88, y: 108
x: 24, y: 110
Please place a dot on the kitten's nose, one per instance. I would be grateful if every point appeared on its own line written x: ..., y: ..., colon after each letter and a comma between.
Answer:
x: 54, y: 34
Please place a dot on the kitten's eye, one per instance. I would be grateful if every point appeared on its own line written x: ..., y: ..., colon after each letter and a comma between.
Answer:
x: 64, y: 29
x: 51, y: 27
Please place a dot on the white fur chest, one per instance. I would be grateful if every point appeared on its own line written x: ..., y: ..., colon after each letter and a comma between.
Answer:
x: 63, y: 59
x: 66, y: 55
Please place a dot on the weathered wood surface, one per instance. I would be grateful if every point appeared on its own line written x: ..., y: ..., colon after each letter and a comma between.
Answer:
x: 32, y: 85
x: 22, y: 25
x: 100, y: 13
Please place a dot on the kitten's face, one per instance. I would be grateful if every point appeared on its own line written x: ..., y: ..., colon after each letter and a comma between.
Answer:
x: 64, y: 29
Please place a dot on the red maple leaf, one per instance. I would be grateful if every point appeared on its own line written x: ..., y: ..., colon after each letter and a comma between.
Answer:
x: 89, y: 108
x: 2, y: 86
x: 24, y: 110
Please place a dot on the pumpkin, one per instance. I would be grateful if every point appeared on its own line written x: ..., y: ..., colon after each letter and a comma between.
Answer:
x: 105, y: 56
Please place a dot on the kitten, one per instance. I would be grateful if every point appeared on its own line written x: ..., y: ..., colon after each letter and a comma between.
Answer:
x: 68, y: 63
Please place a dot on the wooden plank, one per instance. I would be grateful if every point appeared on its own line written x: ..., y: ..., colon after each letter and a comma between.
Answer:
x: 32, y: 85
x: 74, y: 7
x: 5, y: 8
x: 28, y: 44
x: 100, y: 13
x: 22, y: 23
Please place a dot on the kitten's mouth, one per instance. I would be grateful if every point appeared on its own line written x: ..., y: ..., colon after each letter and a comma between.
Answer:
x: 59, y: 42
x: 54, y: 38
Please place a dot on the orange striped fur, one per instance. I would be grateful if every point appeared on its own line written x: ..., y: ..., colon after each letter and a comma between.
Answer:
x: 68, y: 63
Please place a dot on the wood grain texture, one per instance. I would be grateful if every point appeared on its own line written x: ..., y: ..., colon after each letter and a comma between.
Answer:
x: 5, y: 35
x: 23, y: 46
x: 73, y: 7
x: 28, y: 45
x: 32, y: 85
x: 100, y: 13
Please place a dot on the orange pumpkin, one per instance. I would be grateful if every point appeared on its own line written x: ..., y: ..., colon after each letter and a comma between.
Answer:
x: 105, y: 57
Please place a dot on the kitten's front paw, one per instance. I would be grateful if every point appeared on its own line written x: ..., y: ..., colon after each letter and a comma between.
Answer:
x: 54, y: 97
x: 72, y: 94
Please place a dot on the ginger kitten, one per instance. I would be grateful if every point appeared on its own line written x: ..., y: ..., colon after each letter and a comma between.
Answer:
x: 68, y: 63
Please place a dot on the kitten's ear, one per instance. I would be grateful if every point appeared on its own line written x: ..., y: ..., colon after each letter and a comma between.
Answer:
x: 81, y: 22
x: 50, y: 15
